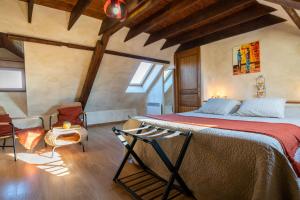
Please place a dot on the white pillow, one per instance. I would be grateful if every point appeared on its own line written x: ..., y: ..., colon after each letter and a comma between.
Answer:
x: 263, y: 107
x: 219, y: 106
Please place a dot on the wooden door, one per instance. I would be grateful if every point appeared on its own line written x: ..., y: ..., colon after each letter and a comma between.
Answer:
x: 187, y: 80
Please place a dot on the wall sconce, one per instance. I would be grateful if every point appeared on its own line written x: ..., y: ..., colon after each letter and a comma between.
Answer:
x: 260, y: 86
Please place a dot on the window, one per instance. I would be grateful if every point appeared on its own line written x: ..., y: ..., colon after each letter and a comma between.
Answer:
x: 167, y: 73
x: 141, y: 74
x: 144, y: 77
x: 12, y: 80
x: 168, y: 79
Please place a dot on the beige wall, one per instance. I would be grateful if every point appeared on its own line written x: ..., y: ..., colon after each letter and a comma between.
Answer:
x: 280, y: 64
x: 55, y: 75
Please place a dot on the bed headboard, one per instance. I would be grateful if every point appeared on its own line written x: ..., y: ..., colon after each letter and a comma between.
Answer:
x: 288, y: 102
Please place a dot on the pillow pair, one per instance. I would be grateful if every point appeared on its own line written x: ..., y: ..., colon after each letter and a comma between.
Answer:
x: 263, y: 107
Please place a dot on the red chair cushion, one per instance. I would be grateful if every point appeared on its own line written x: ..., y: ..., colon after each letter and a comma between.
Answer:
x: 5, y: 118
x: 70, y: 114
x: 5, y: 130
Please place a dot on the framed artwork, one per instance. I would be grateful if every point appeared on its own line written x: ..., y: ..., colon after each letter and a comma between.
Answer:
x: 246, y: 58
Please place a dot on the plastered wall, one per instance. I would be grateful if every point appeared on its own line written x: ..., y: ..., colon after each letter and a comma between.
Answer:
x: 280, y: 64
x: 55, y: 75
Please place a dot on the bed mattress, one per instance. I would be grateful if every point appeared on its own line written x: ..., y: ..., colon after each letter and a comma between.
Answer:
x: 225, y: 164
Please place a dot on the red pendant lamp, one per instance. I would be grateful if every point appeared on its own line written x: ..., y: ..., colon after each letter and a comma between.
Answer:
x: 115, y: 9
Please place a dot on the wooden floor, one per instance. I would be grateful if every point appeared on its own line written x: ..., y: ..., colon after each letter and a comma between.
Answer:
x: 71, y: 174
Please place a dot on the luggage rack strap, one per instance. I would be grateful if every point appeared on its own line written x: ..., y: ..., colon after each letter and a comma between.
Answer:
x: 151, y: 135
x: 147, y: 133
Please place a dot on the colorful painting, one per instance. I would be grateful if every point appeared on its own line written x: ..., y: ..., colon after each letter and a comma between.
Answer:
x: 246, y: 58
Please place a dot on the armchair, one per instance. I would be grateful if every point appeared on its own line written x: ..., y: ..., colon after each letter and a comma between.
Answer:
x: 7, y: 131
x: 69, y: 112
x: 20, y: 128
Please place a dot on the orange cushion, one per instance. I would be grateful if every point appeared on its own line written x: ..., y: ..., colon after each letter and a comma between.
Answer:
x: 30, y: 137
x: 70, y: 114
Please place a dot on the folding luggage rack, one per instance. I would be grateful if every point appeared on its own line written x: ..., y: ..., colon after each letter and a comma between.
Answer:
x: 146, y: 184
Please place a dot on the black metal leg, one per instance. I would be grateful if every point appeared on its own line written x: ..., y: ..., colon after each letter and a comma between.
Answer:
x: 173, y: 169
x: 14, y: 146
x: 4, y: 142
x: 129, y: 149
x: 83, y: 149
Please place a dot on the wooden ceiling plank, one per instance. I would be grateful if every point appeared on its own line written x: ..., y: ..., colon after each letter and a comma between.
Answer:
x: 293, y: 15
x: 202, y: 17
x: 10, y: 46
x: 248, y: 14
x: 77, y: 11
x: 30, y: 5
x: 288, y: 3
x: 94, y: 10
x: 259, y: 23
x: 167, y: 12
x: 93, y: 69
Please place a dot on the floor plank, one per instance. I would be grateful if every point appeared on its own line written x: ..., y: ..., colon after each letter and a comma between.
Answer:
x: 72, y: 174
x: 75, y: 175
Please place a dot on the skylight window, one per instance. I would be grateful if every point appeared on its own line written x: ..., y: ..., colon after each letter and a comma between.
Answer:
x: 167, y: 73
x: 141, y: 74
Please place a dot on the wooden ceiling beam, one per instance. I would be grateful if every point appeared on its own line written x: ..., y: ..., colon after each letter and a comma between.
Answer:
x: 248, y: 14
x: 30, y: 5
x: 8, y: 44
x: 293, y: 15
x: 143, y: 8
x: 108, y: 22
x: 212, y: 13
x: 167, y: 12
x: 261, y: 22
x: 93, y: 69
x: 78, y: 46
x: 287, y: 3
x: 77, y: 11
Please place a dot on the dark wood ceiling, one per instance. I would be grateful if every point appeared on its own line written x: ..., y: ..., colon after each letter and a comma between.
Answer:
x: 185, y: 22
x: 94, y: 9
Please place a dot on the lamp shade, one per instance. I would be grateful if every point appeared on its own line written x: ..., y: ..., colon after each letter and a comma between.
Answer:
x: 115, y: 9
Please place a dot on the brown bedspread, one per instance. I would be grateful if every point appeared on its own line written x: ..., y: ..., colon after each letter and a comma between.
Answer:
x: 221, y: 167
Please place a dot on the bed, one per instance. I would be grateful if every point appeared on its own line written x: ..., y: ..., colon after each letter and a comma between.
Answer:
x: 227, y: 164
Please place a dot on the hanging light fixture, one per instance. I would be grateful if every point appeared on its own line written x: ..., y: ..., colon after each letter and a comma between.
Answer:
x: 115, y: 9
